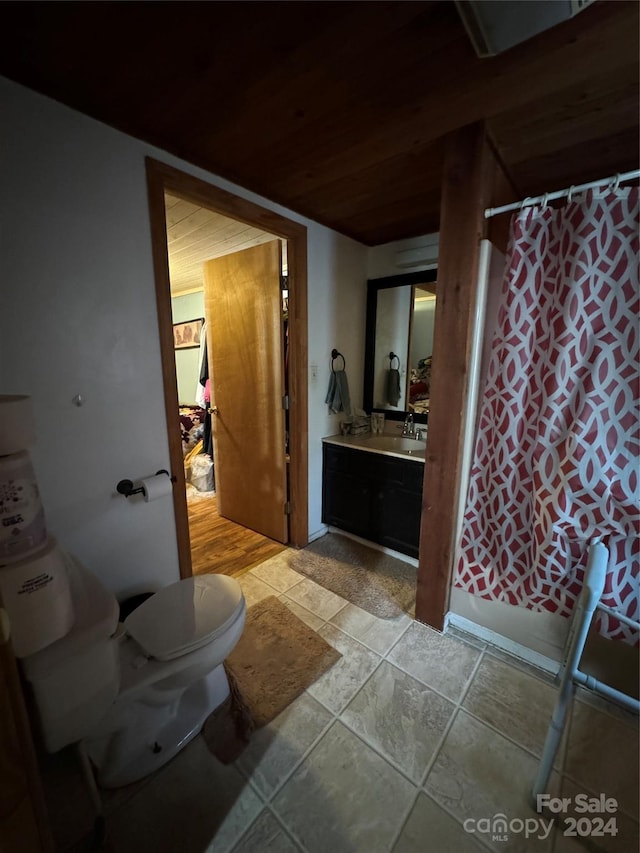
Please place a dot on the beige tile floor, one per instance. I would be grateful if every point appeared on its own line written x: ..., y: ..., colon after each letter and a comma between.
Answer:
x: 401, y: 746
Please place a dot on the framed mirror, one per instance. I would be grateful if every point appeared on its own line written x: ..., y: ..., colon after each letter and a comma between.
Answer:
x: 399, y: 344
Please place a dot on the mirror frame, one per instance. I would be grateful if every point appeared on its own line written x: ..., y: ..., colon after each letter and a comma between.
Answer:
x: 373, y: 286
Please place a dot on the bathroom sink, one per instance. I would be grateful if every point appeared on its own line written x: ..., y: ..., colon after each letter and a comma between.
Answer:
x: 396, y: 444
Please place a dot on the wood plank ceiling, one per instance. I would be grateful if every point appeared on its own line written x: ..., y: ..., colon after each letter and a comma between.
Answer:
x: 196, y: 235
x: 339, y: 110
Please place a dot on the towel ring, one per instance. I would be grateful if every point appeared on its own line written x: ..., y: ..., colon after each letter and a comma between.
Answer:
x: 392, y: 355
x: 335, y: 354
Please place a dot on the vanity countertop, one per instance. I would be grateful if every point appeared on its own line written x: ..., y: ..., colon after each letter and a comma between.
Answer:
x: 388, y: 445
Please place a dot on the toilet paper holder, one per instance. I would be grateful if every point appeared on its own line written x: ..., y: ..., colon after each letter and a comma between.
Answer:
x: 125, y: 487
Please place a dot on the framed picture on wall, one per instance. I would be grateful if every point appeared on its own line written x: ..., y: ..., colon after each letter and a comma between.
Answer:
x: 187, y: 335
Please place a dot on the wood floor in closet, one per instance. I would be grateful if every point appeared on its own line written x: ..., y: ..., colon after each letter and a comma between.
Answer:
x: 222, y: 546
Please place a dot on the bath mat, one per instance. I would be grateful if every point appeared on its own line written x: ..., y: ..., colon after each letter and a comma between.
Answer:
x: 376, y: 582
x: 276, y: 659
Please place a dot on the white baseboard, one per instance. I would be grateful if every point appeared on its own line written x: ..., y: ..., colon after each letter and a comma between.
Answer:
x: 404, y: 557
x: 501, y: 642
x: 540, y: 631
x: 318, y: 533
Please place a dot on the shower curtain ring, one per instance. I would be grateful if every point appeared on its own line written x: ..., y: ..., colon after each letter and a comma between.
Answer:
x: 524, y: 202
x: 545, y: 200
x: 570, y: 193
x: 615, y: 183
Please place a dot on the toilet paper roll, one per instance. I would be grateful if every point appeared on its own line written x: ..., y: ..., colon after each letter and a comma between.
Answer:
x: 22, y: 523
x: 17, y: 428
x: 156, y: 487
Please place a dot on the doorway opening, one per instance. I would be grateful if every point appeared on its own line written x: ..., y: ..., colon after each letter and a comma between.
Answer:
x: 235, y: 244
x: 226, y: 534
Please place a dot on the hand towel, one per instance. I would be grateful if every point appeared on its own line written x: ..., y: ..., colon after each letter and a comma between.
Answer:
x: 393, y: 387
x: 337, y: 397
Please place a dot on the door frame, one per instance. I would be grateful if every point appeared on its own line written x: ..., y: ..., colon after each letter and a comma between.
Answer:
x: 163, y: 178
x: 26, y: 821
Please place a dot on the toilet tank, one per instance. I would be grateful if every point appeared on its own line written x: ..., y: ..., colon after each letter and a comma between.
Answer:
x: 75, y: 680
x: 36, y: 592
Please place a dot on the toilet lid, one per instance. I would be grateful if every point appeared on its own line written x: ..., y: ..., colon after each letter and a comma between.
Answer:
x: 186, y: 615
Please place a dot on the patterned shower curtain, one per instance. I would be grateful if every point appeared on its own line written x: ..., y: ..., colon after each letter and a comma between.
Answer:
x: 557, y: 448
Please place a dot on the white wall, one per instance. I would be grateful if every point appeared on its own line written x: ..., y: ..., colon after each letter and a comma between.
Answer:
x: 78, y: 315
x: 337, y: 309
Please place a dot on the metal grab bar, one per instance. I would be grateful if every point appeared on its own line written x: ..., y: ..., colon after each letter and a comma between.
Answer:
x: 570, y: 675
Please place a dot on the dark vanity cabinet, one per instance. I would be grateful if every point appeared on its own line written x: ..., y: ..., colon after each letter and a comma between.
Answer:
x: 373, y: 495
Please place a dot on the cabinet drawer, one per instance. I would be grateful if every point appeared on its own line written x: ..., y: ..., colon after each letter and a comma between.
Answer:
x: 374, y: 466
x: 397, y: 472
x: 347, y: 460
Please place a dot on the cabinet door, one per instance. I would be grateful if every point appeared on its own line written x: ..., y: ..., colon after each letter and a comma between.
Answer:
x: 398, y: 519
x: 346, y: 502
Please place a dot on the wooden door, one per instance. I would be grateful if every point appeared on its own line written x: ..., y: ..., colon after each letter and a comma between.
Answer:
x: 23, y: 820
x: 245, y: 341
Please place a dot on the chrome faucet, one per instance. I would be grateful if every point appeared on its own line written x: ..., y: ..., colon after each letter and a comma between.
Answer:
x: 408, y: 429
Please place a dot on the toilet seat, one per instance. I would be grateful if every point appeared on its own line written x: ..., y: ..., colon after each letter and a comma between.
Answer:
x: 121, y: 694
x: 185, y: 616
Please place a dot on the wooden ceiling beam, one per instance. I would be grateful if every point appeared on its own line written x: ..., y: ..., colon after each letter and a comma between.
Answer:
x: 466, y: 191
x: 593, y: 110
x: 578, y: 163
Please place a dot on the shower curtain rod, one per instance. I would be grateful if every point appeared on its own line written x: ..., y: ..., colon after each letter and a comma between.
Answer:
x: 543, y: 199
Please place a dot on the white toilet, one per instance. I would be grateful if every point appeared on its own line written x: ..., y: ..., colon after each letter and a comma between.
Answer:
x: 136, y: 692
